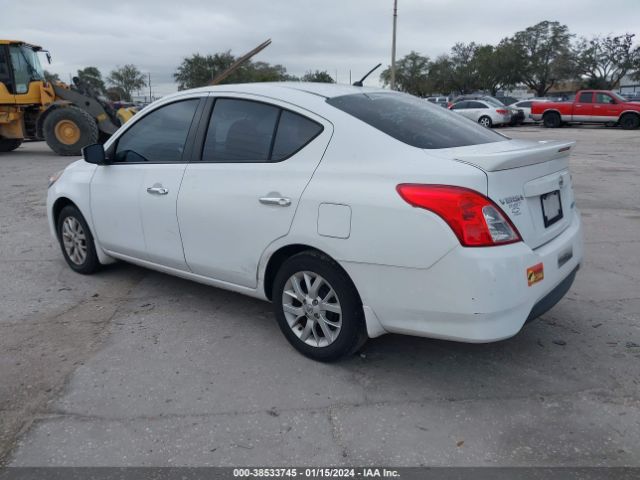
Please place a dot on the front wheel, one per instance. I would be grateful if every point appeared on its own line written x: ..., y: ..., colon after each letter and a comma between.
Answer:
x: 318, y: 308
x: 68, y: 129
x: 630, y: 121
x: 9, y: 144
x: 76, y: 241
x: 485, y: 122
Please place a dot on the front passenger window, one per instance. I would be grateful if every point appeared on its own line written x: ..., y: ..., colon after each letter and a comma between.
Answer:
x: 604, y: 98
x: 159, y: 137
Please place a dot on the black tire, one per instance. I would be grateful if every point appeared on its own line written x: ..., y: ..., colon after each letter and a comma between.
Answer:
x: 87, y: 130
x: 9, y: 144
x: 91, y: 263
x: 485, y: 121
x: 630, y: 121
x: 551, y: 120
x: 352, y: 334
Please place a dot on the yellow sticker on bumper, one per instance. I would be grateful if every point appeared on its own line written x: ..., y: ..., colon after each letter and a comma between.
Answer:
x: 535, y: 274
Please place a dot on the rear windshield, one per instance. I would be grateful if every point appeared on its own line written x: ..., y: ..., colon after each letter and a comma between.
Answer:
x: 414, y: 121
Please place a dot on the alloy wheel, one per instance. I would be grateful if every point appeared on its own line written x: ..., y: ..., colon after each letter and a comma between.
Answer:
x: 312, y: 309
x: 74, y: 240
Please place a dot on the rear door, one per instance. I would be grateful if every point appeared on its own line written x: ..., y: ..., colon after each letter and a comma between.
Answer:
x: 463, y: 108
x: 241, y: 190
x: 475, y: 110
x: 583, y: 107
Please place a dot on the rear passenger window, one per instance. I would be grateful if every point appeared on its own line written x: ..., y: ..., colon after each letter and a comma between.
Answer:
x: 240, y: 131
x: 586, y: 97
x: 294, y: 132
x: 244, y: 131
x: 476, y: 105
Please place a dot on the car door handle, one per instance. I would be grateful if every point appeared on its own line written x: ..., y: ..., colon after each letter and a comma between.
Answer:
x: 279, y: 201
x: 156, y: 190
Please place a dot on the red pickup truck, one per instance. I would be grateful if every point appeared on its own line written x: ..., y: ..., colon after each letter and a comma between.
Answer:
x: 589, y: 106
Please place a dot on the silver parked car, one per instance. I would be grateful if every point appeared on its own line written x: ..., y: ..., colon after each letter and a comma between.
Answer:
x: 484, y: 112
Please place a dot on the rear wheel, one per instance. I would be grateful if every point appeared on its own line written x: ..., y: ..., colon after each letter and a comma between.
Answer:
x: 318, y: 308
x: 76, y: 241
x: 9, y: 144
x: 551, y: 120
x: 485, y: 121
x: 630, y: 121
x: 68, y: 129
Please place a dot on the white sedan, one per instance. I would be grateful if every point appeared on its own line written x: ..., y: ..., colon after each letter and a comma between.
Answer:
x: 525, y: 106
x: 485, y: 112
x: 356, y: 211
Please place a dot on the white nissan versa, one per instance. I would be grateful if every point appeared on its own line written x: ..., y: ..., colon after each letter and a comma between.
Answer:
x: 356, y: 211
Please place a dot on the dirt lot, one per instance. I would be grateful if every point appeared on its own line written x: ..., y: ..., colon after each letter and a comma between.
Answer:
x: 133, y: 367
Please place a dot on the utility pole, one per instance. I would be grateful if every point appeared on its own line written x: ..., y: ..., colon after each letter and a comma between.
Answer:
x: 150, y: 99
x: 393, y: 46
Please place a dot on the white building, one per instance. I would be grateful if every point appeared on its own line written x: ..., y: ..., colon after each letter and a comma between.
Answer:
x: 627, y: 85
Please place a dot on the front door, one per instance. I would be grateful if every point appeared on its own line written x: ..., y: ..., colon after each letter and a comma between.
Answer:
x: 133, y: 199
x: 241, y: 193
x: 605, y: 108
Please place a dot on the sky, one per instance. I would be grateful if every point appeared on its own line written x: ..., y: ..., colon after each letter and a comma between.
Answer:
x: 334, y: 35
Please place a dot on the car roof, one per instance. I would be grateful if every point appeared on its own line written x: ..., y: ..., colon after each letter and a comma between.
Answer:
x: 279, y: 89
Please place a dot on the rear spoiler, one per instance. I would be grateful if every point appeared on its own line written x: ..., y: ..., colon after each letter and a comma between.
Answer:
x: 521, y: 155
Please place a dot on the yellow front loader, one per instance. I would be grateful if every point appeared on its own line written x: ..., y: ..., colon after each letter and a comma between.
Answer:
x: 66, y: 117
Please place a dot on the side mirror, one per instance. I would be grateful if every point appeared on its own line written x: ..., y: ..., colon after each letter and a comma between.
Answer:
x: 94, y: 154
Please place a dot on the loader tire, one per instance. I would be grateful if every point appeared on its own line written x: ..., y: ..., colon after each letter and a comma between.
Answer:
x: 68, y: 129
x: 9, y: 144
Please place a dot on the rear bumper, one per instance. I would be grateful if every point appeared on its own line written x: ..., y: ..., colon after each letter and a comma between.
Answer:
x: 553, y: 297
x: 472, y: 295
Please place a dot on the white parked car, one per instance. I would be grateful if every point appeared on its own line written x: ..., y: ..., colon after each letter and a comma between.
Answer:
x: 356, y: 211
x: 525, y: 106
x: 484, y: 112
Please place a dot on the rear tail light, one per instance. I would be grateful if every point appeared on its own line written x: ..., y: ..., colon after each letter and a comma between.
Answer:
x: 501, y: 111
x: 474, y: 218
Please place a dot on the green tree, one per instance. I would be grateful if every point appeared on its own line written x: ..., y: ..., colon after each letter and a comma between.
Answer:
x: 605, y: 60
x: 199, y: 70
x: 321, y: 76
x: 115, y: 94
x: 545, y: 52
x: 412, y: 72
x: 91, y: 77
x: 51, y: 77
x: 497, y: 67
x: 128, y: 79
x: 464, y: 74
x: 440, y: 76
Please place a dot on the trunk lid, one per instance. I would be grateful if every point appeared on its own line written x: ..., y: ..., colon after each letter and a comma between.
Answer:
x: 528, y: 180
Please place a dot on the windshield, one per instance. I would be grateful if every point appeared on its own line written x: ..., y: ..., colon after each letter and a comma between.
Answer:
x: 413, y: 120
x: 26, y: 67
